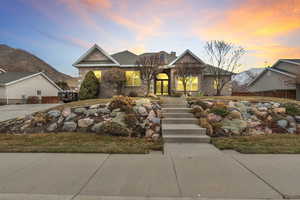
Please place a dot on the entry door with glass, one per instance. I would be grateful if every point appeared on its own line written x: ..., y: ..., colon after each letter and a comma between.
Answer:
x: 162, y: 84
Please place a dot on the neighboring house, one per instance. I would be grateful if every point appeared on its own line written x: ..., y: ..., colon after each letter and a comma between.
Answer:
x: 282, y: 77
x: 165, y: 83
x: 15, y: 87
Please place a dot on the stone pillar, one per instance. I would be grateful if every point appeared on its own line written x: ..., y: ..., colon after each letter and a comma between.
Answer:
x: 298, y: 92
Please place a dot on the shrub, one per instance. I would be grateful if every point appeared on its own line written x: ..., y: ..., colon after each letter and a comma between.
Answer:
x: 133, y: 94
x: 220, y: 111
x: 201, y: 103
x: 113, y: 129
x: 292, y: 109
x: 124, y: 103
x: 89, y: 88
x: 33, y: 100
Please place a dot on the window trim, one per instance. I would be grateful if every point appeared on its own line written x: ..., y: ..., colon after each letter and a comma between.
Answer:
x: 133, y: 85
x: 177, y: 81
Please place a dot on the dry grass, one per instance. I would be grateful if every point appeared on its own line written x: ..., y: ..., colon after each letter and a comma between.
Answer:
x: 261, y: 144
x: 76, y: 143
x: 248, y: 98
x: 89, y: 102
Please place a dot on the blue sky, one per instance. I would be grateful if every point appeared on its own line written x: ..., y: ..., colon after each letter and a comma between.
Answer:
x: 60, y: 31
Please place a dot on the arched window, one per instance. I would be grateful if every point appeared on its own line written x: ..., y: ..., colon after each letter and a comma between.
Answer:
x: 162, y: 76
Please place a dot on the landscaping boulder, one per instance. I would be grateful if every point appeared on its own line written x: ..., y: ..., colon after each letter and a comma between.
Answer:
x: 69, y: 126
x: 282, y: 123
x: 54, y: 113
x: 142, y: 111
x: 91, y: 112
x: 119, y: 118
x: 72, y: 116
x: 84, y: 123
x: 80, y: 110
x: 52, y: 127
x: 234, y: 126
x: 66, y: 112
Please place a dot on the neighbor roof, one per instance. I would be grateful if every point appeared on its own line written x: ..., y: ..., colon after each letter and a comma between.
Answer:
x: 9, y: 78
x: 292, y: 60
x: 13, y: 76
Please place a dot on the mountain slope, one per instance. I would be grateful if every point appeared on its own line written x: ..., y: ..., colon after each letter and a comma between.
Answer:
x: 241, y: 80
x: 18, y: 60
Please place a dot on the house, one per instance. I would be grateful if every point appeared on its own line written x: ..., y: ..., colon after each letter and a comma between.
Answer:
x: 15, y: 87
x: 282, y: 79
x: 165, y: 82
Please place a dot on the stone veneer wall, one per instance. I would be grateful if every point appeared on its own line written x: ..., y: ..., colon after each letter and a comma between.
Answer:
x: 106, y: 89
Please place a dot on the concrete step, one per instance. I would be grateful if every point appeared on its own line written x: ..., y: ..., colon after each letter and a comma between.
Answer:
x: 174, y: 105
x: 186, y: 139
x: 182, y: 129
x: 179, y: 121
x: 178, y: 115
x: 176, y: 110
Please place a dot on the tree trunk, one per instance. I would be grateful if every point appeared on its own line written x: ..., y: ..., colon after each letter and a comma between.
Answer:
x: 148, y: 87
x: 184, y: 87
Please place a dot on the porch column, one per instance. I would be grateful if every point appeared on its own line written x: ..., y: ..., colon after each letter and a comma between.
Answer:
x: 298, y: 92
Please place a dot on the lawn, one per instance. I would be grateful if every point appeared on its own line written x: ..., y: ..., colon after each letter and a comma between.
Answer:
x: 268, y: 144
x: 248, y: 98
x: 76, y: 143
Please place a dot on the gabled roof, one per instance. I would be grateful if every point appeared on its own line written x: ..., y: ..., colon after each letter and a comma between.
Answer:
x: 167, y: 57
x: 273, y: 70
x: 86, y: 54
x: 9, y: 78
x: 125, y: 57
x: 292, y: 61
x: 209, y: 70
x: 183, y: 54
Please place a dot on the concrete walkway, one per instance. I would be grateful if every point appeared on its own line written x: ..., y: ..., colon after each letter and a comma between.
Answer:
x: 202, y: 172
x: 13, y: 111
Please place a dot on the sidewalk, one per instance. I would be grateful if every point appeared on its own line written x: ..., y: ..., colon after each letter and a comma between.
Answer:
x: 203, y: 172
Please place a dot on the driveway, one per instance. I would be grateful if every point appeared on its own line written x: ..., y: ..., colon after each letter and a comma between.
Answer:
x: 13, y: 111
x: 174, y: 175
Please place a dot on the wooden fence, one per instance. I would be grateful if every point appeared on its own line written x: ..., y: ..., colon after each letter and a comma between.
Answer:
x: 287, y: 94
x: 50, y: 99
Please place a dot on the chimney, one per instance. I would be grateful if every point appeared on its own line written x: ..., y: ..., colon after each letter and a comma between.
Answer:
x: 173, y: 53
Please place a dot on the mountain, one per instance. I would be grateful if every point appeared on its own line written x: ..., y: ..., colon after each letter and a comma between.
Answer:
x: 18, y: 60
x: 241, y: 80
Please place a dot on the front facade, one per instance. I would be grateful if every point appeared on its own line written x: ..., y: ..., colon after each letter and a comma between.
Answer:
x: 281, y: 77
x: 165, y: 82
x: 16, y: 87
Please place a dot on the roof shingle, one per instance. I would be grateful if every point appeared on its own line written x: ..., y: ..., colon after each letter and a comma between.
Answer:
x: 13, y: 76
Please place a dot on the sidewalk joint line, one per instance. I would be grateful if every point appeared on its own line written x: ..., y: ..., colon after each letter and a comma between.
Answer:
x: 90, y: 178
x: 260, y: 178
x: 176, y: 176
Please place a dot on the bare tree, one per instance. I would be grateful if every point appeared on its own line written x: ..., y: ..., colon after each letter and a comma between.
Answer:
x: 224, y: 58
x: 149, y: 67
x: 184, y: 73
x: 116, y: 77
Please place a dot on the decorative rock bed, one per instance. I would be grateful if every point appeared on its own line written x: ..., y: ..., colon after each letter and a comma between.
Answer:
x: 121, y: 117
x: 235, y: 118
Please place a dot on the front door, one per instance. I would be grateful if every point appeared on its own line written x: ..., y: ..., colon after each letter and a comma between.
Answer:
x: 162, y: 84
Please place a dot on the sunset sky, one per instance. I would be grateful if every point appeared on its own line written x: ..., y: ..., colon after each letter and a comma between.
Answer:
x: 59, y: 31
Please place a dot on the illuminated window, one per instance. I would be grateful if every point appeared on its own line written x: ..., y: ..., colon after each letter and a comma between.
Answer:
x: 216, y: 84
x: 162, y: 76
x: 97, y: 74
x: 192, y: 84
x: 133, y: 78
